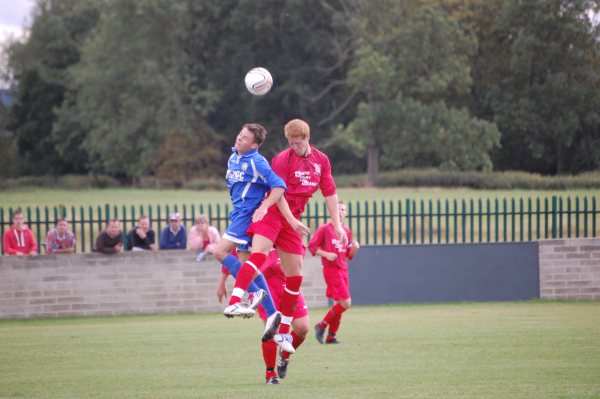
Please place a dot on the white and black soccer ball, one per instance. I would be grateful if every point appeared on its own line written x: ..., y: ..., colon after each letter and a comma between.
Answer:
x: 258, y: 81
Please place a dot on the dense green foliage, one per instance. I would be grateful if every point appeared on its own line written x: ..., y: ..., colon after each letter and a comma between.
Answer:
x: 155, y: 88
x: 410, y: 64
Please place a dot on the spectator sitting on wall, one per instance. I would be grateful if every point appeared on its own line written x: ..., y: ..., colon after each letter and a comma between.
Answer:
x: 60, y: 240
x: 203, y: 237
x: 18, y: 239
x: 110, y: 240
x: 141, y: 237
x: 174, y: 235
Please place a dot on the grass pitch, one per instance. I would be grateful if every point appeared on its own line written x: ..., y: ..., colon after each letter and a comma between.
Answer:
x: 467, y: 350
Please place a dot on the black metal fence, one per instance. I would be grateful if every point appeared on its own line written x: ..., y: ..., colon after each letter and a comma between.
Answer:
x: 372, y: 222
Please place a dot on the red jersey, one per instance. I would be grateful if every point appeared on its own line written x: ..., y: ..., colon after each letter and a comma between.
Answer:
x: 326, y: 239
x: 303, y: 177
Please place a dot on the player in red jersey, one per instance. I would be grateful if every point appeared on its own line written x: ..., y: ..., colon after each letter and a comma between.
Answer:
x: 334, y: 256
x: 275, y: 277
x: 304, y: 170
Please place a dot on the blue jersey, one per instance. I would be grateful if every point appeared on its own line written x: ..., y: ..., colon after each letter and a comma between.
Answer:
x: 249, y: 177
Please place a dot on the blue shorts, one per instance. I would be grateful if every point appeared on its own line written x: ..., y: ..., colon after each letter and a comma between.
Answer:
x: 240, y: 220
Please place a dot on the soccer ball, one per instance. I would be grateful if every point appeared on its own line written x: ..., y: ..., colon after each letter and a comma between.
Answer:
x: 258, y: 81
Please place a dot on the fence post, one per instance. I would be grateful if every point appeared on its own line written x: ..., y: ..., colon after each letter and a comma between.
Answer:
x: 553, y: 218
x: 414, y: 227
x: 584, y: 216
x: 480, y: 224
x: 422, y: 213
x: 505, y: 219
x: 358, y: 222
x: 512, y: 218
x: 382, y: 222
x: 82, y: 226
x: 439, y: 221
x: 593, y: 216
x: 463, y: 221
x: 472, y: 221
x: 447, y: 214
x: 38, y: 227
x: 367, y: 221
x: 521, y: 211
x: 455, y: 218
x: 488, y: 210
x: 350, y: 220
x: 560, y: 217
x: 569, y: 210
x: 392, y: 214
x: 407, y: 221
x: 430, y: 221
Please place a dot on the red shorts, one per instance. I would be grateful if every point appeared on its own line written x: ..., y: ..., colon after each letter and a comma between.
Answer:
x: 274, y: 227
x: 338, y: 285
x: 301, y: 308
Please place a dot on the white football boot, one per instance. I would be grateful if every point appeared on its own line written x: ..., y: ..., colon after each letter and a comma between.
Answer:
x: 285, y: 342
x: 238, y: 309
x: 257, y: 298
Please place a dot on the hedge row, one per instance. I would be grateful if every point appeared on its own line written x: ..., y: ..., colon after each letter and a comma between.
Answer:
x: 400, y: 178
x: 480, y: 180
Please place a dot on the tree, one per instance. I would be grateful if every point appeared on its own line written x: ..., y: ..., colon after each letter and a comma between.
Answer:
x: 39, y: 71
x: 180, y: 71
x: 135, y: 84
x: 177, y: 160
x: 547, y: 102
x: 410, y: 60
x: 305, y: 44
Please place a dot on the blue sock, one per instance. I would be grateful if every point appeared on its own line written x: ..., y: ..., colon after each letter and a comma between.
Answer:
x: 233, y: 265
x: 266, y: 303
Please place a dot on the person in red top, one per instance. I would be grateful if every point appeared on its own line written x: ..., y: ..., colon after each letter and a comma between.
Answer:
x: 18, y: 239
x: 304, y: 170
x: 334, y: 257
x: 275, y: 277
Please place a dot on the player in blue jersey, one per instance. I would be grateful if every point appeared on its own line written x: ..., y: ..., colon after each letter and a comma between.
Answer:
x: 253, y: 187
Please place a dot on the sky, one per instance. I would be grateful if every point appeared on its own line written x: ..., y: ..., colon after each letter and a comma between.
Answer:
x: 14, y: 14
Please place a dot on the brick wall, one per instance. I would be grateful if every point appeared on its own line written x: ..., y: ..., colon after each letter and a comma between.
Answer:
x: 127, y: 283
x: 570, y: 269
x: 172, y: 281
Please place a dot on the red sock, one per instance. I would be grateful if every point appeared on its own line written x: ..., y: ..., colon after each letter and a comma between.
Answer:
x: 269, y: 351
x: 270, y: 374
x: 335, y: 311
x: 246, y: 275
x: 334, y: 326
x: 296, y: 342
x: 289, y: 300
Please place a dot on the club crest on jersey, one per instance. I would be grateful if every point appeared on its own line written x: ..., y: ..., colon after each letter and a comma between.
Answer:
x: 244, y: 166
x: 337, y: 244
x: 317, y: 168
